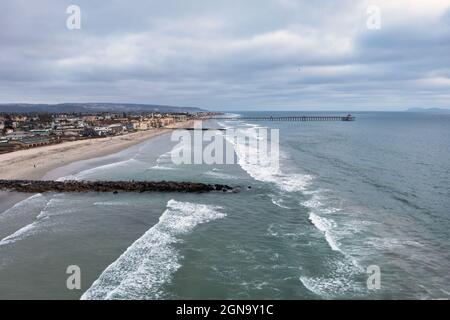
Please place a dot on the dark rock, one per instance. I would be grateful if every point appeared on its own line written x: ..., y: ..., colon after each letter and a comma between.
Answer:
x: 35, y: 186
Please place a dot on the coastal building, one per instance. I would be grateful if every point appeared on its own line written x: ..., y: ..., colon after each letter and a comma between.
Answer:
x: 25, y: 143
x: 132, y: 125
x: 89, y: 119
x: 116, y: 128
x: 17, y: 135
x: 41, y: 132
x: 180, y: 117
x: 144, y: 125
x: 75, y: 132
x: 167, y: 121
x: 31, y: 130
x: 102, y: 131
x: 32, y: 142
x: 89, y: 133
x: 19, y: 118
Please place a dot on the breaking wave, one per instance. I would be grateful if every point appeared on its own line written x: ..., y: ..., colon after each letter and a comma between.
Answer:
x: 149, y: 263
x: 33, y: 227
x: 265, y: 170
x: 326, y: 226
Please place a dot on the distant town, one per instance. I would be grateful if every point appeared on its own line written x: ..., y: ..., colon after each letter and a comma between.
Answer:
x: 24, y: 131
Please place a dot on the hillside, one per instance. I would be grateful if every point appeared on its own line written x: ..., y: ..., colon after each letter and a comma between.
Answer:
x: 91, y: 108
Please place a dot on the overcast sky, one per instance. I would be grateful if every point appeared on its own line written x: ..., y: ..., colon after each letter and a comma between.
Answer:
x: 228, y: 55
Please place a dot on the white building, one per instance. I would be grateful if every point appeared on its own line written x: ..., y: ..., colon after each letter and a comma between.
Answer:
x: 102, y: 131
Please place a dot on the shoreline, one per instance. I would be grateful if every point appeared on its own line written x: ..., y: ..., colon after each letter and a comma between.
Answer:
x: 36, y: 163
x: 49, y: 159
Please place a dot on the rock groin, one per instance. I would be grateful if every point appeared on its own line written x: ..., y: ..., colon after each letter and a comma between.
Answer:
x: 37, y: 186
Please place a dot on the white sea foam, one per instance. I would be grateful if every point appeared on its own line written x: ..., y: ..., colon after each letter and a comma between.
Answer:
x: 151, y: 260
x: 160, y: 167
x: 19, y: 234
x: 317, y: 203
x: 164, y: 161
x: 30, y: 202
x: 111, y: 203
x: 344, y: 267
x: 313, y: 203
x: 222, y: 124
x: 271, y: 232
x: 289, y: 183
x: 339, y: 281
x: 266, y: 171
x: 326, y: 287
x: 330, y: 210
x: 68, y: 178
x: 220, y: 175
x: 278, y: 201
x: 106, y: 167
x: 392, y: 243
x: 28, y: 205
x: 326, y: 226
x: 34, y: 227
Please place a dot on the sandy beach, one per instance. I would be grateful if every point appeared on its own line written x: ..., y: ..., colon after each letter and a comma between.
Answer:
x: 34, y: 163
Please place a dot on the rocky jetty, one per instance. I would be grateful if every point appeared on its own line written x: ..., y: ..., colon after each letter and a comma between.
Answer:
x: 35, y: 186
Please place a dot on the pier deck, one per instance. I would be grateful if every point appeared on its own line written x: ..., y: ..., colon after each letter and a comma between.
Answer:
x: 288, y: 118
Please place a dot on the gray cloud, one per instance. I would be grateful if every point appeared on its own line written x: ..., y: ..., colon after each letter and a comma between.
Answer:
x: 286, y: 54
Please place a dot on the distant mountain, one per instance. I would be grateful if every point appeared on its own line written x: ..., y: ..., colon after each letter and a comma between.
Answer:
x: 92, y: 108
x: 429, y: 110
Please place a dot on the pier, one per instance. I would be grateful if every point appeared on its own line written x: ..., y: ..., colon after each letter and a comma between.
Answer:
x: 37, y: 186
x: 203, y: 129
x: 288, y: 118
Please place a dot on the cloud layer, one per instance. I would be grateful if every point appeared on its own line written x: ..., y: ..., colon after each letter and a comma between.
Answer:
x: 254, y: 54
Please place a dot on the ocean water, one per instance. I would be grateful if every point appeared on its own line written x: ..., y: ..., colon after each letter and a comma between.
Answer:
x: 347, y: 195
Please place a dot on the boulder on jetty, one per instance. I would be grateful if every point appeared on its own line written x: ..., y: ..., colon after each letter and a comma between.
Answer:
x: 36, y: 186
